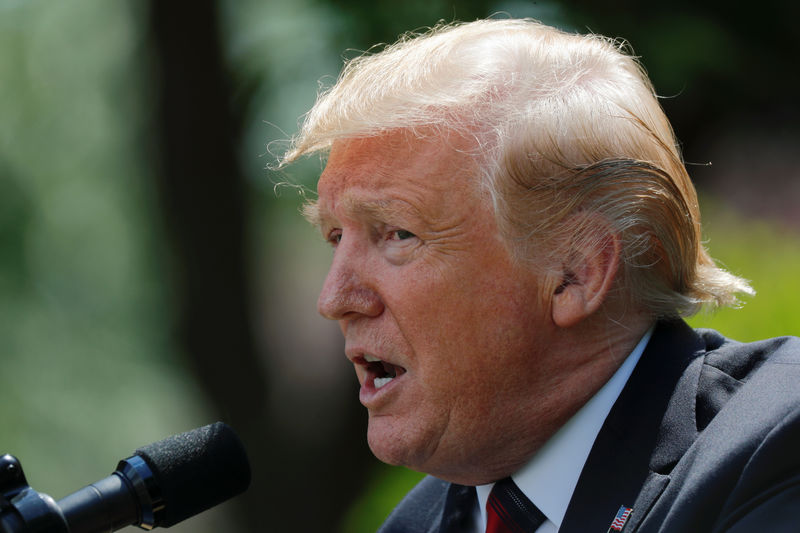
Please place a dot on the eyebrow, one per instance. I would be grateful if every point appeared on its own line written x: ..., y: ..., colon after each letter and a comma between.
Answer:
x: 311, y: 212
x: 383, y: 210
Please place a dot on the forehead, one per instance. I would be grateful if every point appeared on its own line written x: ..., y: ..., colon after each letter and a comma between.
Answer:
x: 418, y: 169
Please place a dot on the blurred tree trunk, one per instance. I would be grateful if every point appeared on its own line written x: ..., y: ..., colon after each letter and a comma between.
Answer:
x: 205, y: 211
x: 203, y: 197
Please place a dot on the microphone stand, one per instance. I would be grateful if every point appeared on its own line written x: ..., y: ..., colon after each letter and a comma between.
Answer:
x: 22, y: 509
x: 160, y: 485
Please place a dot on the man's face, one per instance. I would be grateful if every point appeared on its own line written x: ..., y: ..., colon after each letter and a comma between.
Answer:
x: 447, y: 334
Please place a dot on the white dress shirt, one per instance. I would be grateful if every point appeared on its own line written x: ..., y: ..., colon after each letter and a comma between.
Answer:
x: 550, y: 477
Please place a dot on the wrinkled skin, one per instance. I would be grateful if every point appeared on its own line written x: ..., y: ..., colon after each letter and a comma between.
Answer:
x: 421, y: 280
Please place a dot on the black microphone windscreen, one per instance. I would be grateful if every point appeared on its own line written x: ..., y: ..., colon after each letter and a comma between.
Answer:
x: 197, y: 470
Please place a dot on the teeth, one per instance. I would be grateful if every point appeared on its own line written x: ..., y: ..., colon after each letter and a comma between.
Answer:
x: 380, y: 382
x: 370, y: 358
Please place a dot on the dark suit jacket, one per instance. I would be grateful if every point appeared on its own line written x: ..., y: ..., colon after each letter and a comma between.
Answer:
x: 705, y: 437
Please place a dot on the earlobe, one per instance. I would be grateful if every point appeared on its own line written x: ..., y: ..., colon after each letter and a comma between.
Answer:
x: 586, y: 279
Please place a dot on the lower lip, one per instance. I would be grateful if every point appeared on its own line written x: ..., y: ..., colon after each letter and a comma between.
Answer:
x: 369, y: 395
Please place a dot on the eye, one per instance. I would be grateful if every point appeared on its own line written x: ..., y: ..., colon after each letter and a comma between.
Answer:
x: 334, y: 237
x: 400, y: 235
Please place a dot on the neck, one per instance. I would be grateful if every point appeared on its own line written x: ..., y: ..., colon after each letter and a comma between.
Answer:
x: 588, y: 356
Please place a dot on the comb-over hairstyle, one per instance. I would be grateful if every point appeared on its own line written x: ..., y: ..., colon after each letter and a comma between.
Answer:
x: 565, y: 128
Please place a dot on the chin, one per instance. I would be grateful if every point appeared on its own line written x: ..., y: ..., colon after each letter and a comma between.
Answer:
x: 397, y: 446
x: 390, y: 450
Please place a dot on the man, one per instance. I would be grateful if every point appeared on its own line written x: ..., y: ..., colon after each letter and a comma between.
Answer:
x: 515, y: 238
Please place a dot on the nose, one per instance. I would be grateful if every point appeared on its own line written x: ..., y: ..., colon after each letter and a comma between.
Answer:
x: 348, y: 291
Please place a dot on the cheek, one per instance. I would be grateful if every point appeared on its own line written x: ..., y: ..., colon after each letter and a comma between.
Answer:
x: 467, y: 315
x: 476, y: 314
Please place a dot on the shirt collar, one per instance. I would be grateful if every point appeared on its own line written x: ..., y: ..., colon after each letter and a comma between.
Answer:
x: 550, y: 477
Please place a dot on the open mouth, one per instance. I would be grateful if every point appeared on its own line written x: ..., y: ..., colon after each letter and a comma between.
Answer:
x: 381, y: 372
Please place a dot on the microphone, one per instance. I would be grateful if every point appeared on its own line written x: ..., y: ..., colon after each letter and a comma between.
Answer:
x: 160, y: 485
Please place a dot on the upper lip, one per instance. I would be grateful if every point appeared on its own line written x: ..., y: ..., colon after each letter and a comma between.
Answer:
x: 365, y: 357
x: 358, y: 354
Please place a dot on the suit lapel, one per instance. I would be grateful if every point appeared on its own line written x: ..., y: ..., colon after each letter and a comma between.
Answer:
x: 458, y: 507
x: 648, y: 429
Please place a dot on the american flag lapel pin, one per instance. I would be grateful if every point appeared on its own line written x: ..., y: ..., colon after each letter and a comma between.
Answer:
x: 622, y: 517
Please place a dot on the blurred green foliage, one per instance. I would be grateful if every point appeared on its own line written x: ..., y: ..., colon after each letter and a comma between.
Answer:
x: 385, y: 488
x: 87, y: 369
x: 767, y: 254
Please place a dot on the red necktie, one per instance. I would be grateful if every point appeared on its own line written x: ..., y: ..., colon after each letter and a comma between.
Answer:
x: 508, y: 510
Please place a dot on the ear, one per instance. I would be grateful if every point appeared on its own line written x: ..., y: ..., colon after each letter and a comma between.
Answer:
x: 588, y: 272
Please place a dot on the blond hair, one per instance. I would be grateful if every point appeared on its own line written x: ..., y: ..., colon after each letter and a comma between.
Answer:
x: 563, y: 126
